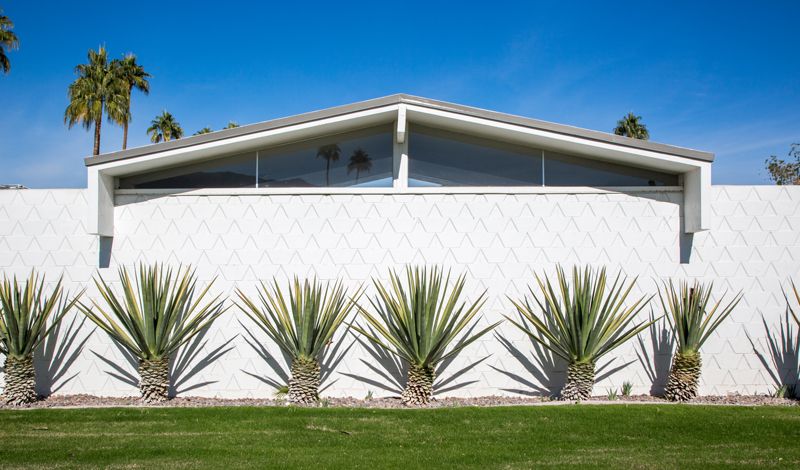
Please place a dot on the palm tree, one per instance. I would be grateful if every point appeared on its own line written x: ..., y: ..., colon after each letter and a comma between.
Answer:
x: 95, y: 92
x: 205, y: 130
x: 231, y: 125
x: 8, y: 41
x: 359, y: 161
x: 164, y: 128
x: 330, y: 153
x: 631, y: 126
x: 134, y: 76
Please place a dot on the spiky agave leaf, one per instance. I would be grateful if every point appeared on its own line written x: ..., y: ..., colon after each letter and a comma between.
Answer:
x: 301, y: 327
x: 687, y: 309
x: 25, y: 311
x: 157, y: 312
x: 692, y: 323
x: 418, y: 321
x: 582, y: 321
x: 24, y: 316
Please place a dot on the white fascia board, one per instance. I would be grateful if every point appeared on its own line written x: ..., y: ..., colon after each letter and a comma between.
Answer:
x: 549, y: 140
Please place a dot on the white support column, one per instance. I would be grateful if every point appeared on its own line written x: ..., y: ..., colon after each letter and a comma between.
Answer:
x: 401, y: 150
x: 696, y: 199
x: 101, y: 203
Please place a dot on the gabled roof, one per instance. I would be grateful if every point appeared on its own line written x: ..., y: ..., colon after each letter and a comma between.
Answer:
x: 396, y: 100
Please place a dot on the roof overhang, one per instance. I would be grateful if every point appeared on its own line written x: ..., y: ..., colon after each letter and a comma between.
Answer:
x: 400, y: 110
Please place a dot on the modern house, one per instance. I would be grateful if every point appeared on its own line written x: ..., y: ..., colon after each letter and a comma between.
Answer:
x: 351, y: 191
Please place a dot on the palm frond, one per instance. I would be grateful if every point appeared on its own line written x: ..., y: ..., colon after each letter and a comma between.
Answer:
x: 687, y: 308
x: 418, y: 320
x: 156, y: 313
x: 583, y: 320
x: 304, y: 325
x: 25, y: 312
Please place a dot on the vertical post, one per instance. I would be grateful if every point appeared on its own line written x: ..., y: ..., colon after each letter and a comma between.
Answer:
x: 400, y: 156
x: 696, y: 199
x: 101, y: 203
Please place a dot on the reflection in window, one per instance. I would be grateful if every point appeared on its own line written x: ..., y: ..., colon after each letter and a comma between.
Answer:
x: 361, y: 158
x: 565, y: 170
x: 230, y: 172
x: 439, y: 158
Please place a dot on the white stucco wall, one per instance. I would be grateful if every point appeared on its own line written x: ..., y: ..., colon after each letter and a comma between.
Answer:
x: 498, y: 240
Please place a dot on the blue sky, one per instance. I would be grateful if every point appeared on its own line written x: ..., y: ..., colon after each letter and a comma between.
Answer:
x: 716, y: 76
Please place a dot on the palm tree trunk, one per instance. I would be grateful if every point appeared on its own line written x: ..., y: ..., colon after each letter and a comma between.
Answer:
x: 20, y: 381
x: 127, y: 119
x: 97, y: 123
x: 327, y: 172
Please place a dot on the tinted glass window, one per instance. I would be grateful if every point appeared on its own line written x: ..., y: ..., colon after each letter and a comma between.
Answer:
x: 438, y: 158
x: 230, y: 172
x: 565, y: 170
x: 355, y: 159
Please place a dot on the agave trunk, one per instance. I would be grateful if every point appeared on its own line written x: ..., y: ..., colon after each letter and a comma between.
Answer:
x: 419, y: 388
x: 20, y: 380
x: 304, y: 384
x: 154, y: 379
x: 683, y: 377
x: 580, y: 381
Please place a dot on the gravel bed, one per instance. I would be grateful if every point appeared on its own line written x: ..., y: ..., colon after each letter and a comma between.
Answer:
x: 90, y: 401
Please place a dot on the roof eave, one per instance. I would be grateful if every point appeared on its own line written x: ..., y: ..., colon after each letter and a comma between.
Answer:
x: 395, y: 100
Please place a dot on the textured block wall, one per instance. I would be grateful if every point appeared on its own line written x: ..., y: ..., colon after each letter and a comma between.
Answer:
x: 498, y: 240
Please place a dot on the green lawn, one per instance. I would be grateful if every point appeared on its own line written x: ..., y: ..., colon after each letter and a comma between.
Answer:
x: 509, y: 437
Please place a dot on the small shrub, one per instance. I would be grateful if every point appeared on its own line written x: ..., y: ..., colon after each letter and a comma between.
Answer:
x: 611, y: 395
x: 627, y: 388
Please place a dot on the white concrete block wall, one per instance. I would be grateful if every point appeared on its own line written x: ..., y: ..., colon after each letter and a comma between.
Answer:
x: 499, y: 241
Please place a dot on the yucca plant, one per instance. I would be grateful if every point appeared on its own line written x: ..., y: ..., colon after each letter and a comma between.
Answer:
x: 156, y: 314
x: 692, y: 322
x: 580, y: 321
x: 25, y: 312
x: 302, y: 328
x: 418, y: 321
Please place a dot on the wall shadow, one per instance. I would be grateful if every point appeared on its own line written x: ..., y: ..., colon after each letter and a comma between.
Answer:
x: 332, y: 356
x: 187, y: 363
x: 656, y: 358
x: 781, y: 357
x: 547, y: 371
x: 57, y: 352
x: 183, y: 366
x: 392, y: 371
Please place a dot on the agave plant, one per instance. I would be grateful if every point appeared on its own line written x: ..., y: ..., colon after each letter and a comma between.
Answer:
x: 302, y: 328
x: 418, y: 321
x: 581, y: 322
x: 156, y: 314
x: 24, y: 315
x: 692, y: 323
